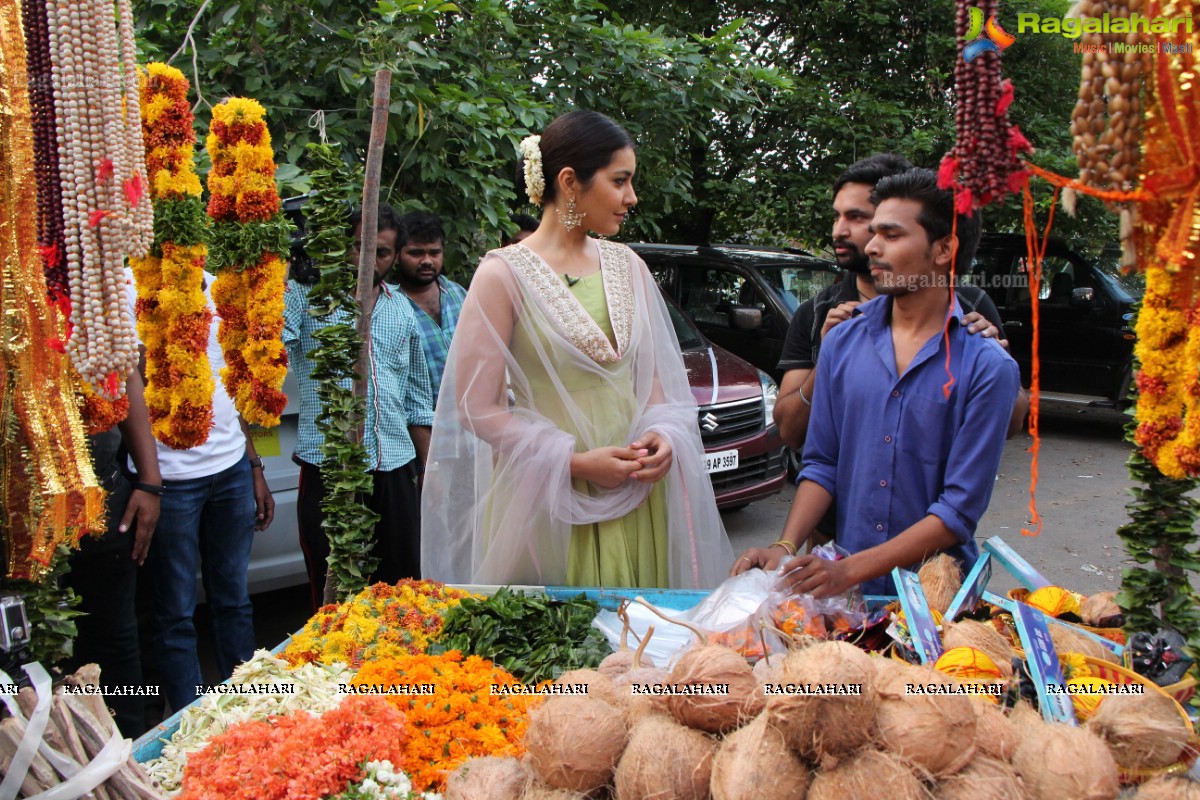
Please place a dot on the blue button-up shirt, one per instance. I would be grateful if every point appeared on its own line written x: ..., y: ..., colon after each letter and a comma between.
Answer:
x: 894, y: 449
x: 398, y: 389
x: 435, y: 339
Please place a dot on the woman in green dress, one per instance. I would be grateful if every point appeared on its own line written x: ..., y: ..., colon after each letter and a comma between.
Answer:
x: 565, y: 447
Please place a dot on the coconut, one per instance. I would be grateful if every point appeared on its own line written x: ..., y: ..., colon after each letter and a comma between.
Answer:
x: 995, y: 733
x: 595, y: 683
x: 621, y: 660
x: 575, y: 742
x: 540, y: 791
x: 767, y: 670
x: 982, y: 637
x: 639, y: 704
x: 711, y: 667
x: 738, y: 769
x: 1169, y: 787
x: 935, y: 732
x: 825, y: 726
x: 665, y: 761
x: 940, y: 579
x: 487, y: 778
x: 1099, y: 608
x: 1059, y: 761
x: 1067, y: 640
x: 1144, y: 731
x: 867, y: 775
x: 982, y: 779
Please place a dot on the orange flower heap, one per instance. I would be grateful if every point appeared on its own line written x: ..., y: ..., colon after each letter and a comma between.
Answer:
x: 298, y: 756
x: 464, y: 716
x: 172, y: 311
x: 248, y: 249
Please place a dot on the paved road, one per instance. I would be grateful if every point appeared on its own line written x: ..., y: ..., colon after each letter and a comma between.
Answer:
x: 1081, y: 495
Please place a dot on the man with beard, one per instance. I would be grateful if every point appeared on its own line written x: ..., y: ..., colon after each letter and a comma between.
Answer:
x: 435, y: 299
x: 910, y: 412
x: 852, y: 214
x: 398, y: 422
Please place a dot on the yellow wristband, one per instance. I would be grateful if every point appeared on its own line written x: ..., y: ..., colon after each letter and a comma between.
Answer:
x: 786, y: 545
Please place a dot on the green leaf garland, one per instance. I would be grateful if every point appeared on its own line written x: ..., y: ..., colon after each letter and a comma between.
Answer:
x: 349, y: 524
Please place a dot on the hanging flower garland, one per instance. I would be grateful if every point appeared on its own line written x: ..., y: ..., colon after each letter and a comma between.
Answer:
x: 48, y: 491
x: 172, y: 311
x: 106, y: 215
x: 986, y: 159
x: 249, y: 244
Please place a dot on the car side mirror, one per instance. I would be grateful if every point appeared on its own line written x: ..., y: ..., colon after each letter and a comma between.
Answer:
x: 1083, y: 296
x: 745, y: 319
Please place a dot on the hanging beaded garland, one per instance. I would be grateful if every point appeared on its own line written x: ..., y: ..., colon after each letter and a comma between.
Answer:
x: 985, y: 161
x: 248, y: 247
x: 172, y: 311
x: 1106, y: 124
x: 106, y: 213
x: 47, y: 488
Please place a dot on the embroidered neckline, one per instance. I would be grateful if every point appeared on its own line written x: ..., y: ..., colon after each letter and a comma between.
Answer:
x: 567, y: 313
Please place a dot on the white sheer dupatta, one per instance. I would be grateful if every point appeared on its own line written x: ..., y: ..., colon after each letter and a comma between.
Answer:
x: 524, y: 375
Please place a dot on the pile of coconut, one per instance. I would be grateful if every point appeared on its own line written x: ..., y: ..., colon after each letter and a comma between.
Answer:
x: 876, y: 738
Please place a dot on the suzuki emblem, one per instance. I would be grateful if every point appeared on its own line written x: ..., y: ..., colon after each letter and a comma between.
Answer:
x: 709, y: 422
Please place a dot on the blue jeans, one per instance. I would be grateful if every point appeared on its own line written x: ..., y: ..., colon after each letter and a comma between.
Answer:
x: 205, y: 524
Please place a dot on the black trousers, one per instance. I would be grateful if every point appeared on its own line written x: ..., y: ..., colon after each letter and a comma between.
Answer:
x: 104, y: 575
x: 397, y: 534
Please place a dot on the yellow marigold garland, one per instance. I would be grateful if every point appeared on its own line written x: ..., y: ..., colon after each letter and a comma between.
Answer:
x: 463, y: 718
x: 249, y: 247
x: 172, y: 312
x: 380, y: 621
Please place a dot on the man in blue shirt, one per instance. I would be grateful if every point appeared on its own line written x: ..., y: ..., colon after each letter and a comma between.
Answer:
x: 435, y: 299
x: 906, y: 440
x: 398, y: 423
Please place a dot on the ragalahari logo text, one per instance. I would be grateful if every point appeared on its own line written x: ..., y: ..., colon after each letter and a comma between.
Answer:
x: 996, y: 40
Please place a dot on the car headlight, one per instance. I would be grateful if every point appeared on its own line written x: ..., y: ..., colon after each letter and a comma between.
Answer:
x: 770, y: 395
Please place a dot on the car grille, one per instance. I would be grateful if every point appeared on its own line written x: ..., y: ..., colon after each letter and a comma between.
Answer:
x: 751, y: 472
x: 728, y: 422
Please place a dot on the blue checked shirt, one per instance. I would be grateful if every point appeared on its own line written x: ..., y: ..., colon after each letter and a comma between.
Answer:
x: 435, y: 339
x: 398, y: 389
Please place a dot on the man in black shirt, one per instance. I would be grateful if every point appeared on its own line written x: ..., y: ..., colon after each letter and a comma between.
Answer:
x: 853, y: 212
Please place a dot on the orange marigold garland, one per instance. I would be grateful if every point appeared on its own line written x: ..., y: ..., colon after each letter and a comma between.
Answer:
x: 1168, y: 238
x: 248, y: 248
x: 172, y: 311
x: 463, y: 718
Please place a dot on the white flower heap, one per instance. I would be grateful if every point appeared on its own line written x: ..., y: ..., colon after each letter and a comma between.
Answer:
x: 535, y: 181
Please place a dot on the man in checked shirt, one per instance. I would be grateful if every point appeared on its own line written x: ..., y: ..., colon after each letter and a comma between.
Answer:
x: 398, y: 422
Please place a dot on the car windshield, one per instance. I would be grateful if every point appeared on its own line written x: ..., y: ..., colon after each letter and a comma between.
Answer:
x: 1128, y: 288
x: 794, y: 285
x: 685, y: 331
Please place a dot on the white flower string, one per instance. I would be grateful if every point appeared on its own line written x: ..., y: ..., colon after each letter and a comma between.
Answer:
x: 106, y: 205
x: 535, y: 181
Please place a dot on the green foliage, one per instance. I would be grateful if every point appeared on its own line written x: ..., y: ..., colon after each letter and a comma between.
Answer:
x: 348, y: 523
x: 532, y: 636
x: 240, y: 245
x: 744, y: 112
x: 51, y: 611
x: 181, y: 222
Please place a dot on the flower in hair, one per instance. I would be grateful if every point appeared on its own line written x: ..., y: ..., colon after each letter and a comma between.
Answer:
x: 535, y: 181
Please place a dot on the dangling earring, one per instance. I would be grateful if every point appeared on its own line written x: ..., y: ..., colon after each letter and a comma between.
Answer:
x: 570, y: 218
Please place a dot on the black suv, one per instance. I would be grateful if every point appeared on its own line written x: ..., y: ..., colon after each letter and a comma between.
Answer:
x: 1085, y: 316
x: 741, y: 298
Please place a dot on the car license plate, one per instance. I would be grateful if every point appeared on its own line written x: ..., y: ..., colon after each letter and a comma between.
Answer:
x: 722, y: 461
